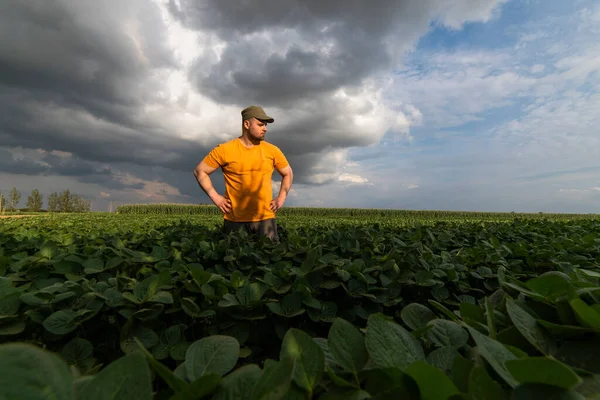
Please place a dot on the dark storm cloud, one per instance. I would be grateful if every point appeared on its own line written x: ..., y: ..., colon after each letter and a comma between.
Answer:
x: 77, y: 76
x: 342, y: 42
x: 83, y: 54
x: 19, y: 166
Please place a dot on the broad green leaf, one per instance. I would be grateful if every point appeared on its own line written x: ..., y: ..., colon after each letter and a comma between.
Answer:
x: 250, y: 294
x: 77, y: 351
x: 483, y: 387
x: 61, y: 322
x: 581, y: 353
x: 461, y: 371
x: 472, y: 311
x: 49, y: 250
x: 28, y: 372
x: 424, y: 374
x: 495, y: 353
x: 10, y: 303
x: 446, y: 333
x: 416, y: 315
x: 550, y: 286
x: 200, y: 388
x: 240, y: 384
x: 564, y: 331
x: 345, y: 394
x: 126, y: 378
x: 176, y: 383
x: 275, y: 381
x: 390, y: 383
x: 443, y: 358
x: 347, y: 344
x: 530, y: 329
x: 162, y: 297
x: 11, y: 327
x: 443, y: 309
x: 390, y: 345
x: 93, y: 265
x: 309, y: 358
x: 543, y: 370
x: 214, y: 354
x: 585, y: 314
x: 530, y: 391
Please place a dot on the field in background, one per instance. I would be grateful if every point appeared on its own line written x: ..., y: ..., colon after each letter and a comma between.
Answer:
x: 377, y: 301
x: 349, y: 213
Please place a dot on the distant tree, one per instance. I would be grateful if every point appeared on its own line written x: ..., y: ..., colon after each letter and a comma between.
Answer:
x: 53, y: 202
x: 15, y: 196
x: 35, y: 202
x: 65, y: 201
x: 2, y: 202
x: 80, y: 204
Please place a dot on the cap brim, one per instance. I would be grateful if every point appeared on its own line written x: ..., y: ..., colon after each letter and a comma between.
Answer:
x: 266, y: 119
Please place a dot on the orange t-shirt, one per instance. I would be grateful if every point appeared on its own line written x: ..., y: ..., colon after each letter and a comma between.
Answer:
x: 247, y: 173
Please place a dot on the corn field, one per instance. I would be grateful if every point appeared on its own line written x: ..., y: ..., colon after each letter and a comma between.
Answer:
x: 211, y: 210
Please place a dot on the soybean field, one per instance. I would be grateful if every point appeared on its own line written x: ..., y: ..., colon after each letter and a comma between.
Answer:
x: 156, y: 302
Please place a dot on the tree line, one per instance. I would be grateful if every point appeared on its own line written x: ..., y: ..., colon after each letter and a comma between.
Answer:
x: 57, y: 202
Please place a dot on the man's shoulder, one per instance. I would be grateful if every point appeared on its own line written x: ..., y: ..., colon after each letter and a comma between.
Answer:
x: 226, y: 145
x: 270, y: 146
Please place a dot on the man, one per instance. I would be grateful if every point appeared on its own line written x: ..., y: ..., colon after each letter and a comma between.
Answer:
x: 248, y: 163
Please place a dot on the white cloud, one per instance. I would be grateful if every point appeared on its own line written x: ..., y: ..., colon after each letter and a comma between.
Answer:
x: 352, y: 178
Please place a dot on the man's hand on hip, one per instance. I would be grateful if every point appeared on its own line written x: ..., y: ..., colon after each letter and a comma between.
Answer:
x: 277, y: 203
x: 223, y: 203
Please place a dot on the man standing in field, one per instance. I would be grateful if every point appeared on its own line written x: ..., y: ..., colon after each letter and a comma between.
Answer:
x: 247, y: 163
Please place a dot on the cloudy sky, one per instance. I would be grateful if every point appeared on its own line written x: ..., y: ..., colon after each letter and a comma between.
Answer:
x: 488, y: 105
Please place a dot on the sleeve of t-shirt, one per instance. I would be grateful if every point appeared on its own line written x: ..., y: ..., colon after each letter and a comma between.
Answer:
x: 215, y: 158
x: 280, y: 161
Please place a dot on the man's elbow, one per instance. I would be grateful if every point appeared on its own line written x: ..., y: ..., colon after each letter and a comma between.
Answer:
x: 287, y: 172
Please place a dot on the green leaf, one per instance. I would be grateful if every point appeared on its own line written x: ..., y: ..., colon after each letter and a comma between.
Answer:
x: 530, y: 329
x: 543, y: 370
x: 162, y: 297
x: 28, y: 372
x: 446, y: 333
x: 390, y: 345
x: 495, y: 353
x: 390, y: 383
x: 530, y: 391
x: 275, y: 381
x: 483, y: 387
x: 473, y: 312
x: 347, y: 344
x: 416, y: 315
x: 93, y: 265
x: 214, y: 354
x: 309, y: 358
x: 552, y: 287
x: 61, y: 322
x: 200, y: 388
x: 49, y: 250
x: 145, y: 336
x: 77, y: 351
x: 461, y: 371
x: 424, y: 374
x: 443, y: 358
x: 240, y: 384
x: 10, y: 303
x: 126, y: 378
x: 585, y: 314
x: 175, y: 383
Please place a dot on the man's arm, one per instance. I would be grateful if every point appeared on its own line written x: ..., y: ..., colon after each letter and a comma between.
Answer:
x: 202, y: 172
x: 286, y: 184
